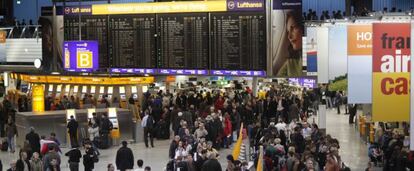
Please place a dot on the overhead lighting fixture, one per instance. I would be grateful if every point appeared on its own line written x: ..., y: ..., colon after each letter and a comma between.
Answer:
x: 18, y: 2
x: 55, y: 73
x: 146, y: 75
x: 37, y: 63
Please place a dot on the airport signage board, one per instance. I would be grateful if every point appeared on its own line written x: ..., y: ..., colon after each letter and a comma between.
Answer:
x: 391, y: 72
x: 38, y: 98
x: 133, y: 70
x: 183, y: 72
x: 359, y: 44
x: 178, y: 7
x: 245, y: 5
x: 287, y: 4
x: 237, y: 73
x: 80, y: 56
x: 75, y: 10
x: 305, y: 82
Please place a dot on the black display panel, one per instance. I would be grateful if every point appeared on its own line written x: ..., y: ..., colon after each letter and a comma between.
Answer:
x: 132, y: 41
x: 183, y: 40
x: 238, y: 41
x: 93, y: 28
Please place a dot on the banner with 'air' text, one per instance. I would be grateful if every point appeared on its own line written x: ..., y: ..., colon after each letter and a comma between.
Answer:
x: 391, y: 72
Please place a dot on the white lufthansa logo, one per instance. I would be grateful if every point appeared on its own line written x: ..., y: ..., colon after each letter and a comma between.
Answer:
x: 231, y: 5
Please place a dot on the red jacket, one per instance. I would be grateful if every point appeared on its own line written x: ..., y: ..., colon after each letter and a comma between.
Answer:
x: 227, y: 126
x: 219, y: 104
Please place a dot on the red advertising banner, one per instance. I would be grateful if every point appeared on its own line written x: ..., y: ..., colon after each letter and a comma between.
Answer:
x: 391, y: 72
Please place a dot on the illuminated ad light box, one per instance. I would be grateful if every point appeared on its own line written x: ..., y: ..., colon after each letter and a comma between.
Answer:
x: 84, y: 89
x: 70, y: 112
x: 80, y: 56
x: 38, y: 98
x: 90, y: 112
x: 112, y: 115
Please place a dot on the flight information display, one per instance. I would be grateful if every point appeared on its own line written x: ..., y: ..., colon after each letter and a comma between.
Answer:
x: 183, y: 40
x: 132, y: 41
x: 238, y: 41
x: 92, y: 28
x: 215, y: 41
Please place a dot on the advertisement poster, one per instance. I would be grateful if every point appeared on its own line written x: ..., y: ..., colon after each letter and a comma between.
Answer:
x: 391, y: 72
x: 285, y: 58
x: 359, y: 64
x: 50, y: 42
x: 3, y: 35
x: 311, y: 53
x: 38, y: 98
x: 338, y: 56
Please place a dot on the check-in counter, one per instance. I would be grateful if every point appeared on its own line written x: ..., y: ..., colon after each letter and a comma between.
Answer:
x: 55, y: 121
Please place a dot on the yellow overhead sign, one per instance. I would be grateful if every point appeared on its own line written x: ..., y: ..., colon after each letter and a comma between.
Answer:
x: 159, y: 7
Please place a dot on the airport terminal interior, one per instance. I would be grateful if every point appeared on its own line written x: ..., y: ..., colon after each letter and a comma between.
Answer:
x: 209, y: 85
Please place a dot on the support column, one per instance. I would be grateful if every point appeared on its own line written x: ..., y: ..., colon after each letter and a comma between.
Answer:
x: 322, y: 118
x: 255, y: 85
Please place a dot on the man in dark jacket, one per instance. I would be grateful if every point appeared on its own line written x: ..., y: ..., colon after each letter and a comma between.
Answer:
x: 211, y: 164
x: 73, y: 131
x: 89, y: 158
x: 105, y: 129
x: 34, y: 140
x: 124, y: 158
x: 74, y: 158
x: 23, y: 163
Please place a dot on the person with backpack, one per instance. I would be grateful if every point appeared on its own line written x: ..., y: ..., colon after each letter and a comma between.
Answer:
x: 73, y: 131
x: 105, y: 128
x: 148, y: 125
x: 74, y: 158
x: 124, y: 158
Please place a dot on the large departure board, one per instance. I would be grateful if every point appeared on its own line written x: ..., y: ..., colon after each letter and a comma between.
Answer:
x: 183, y: 40
x: 92, y: 28
x: 238, y: 41
x: 132, y: 41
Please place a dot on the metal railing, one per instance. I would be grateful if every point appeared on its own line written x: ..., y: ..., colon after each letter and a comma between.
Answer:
x: 23, y: 32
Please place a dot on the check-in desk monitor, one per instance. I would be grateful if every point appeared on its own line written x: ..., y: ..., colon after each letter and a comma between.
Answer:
x: 112, y: 115
x: 50, y: 90
x: 67, y: 90
x: 90, y: 112
x: 122, y: 96
x: 58, y: 90
x: 70, y: 112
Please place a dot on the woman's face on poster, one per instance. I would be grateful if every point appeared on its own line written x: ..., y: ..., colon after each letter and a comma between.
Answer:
x: 294, y: 32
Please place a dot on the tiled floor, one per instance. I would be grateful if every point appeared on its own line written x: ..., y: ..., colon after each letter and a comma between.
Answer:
x: 353, y: 150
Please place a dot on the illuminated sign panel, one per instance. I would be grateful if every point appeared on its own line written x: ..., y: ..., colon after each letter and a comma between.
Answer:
x: 80, y: 55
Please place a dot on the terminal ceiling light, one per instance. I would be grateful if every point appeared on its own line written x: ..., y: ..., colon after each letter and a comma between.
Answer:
x: 37, y: 63
x: 18, y: 2
x: 55, y: 73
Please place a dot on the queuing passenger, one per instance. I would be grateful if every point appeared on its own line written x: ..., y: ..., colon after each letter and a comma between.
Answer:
x: 74, y: 158
x: 140, y: 164
x: 34, y: 140
x: 36, y: 163
x: 11, y: 132
x: 26, y: 148
x: 124, y: 158
x: 51, y: 158
x: 147, y: 168
x: 105, y: 128
x: 148, y: 125
x: 73, y: 131
x: 110, y: 167
x: 211, y: 164
x: 12, y: 166
x: 54, y: 139
x: 23, y: 162
x: 90, y: 157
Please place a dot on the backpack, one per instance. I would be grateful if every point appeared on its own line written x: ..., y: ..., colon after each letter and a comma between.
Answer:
x: 150, y: 122
x: 4, y: 146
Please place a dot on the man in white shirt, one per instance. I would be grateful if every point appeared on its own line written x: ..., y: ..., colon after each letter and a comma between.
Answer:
x: 306, y: 131
x: 281, y: 126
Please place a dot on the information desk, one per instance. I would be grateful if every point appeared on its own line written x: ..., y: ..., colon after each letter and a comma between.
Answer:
x: 55, y: 121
